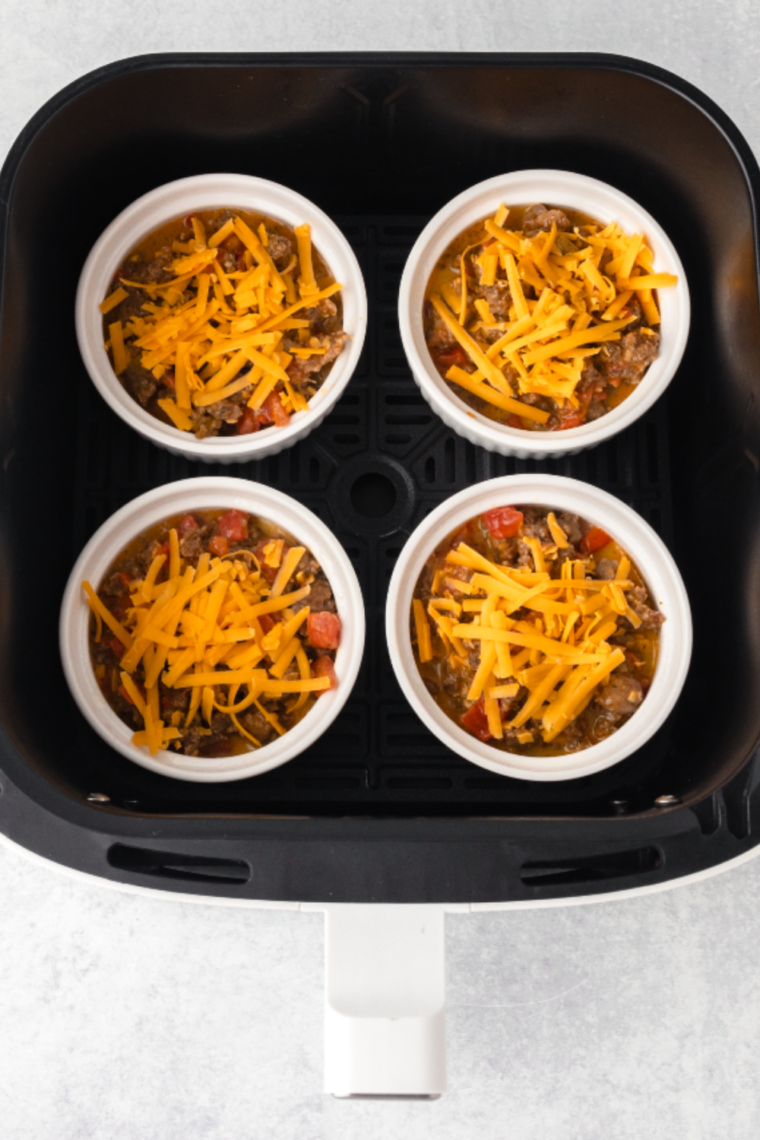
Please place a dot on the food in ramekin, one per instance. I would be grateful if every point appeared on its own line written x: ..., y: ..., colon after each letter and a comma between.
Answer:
x: 224, y: 322
x: 212, y: 633
x: 535, y: 631
x: 543, y: 319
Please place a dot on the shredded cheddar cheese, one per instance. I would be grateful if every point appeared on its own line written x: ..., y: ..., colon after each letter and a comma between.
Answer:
x: 199, y: 629
x: 576, y: 304
x: 221, y: 332
x: 115, y: 299
x: 560, y: 657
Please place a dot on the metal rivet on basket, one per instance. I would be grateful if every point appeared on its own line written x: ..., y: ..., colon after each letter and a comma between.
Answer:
x: 666, y: 801
x: 98, y: 798
x: 619, y: 806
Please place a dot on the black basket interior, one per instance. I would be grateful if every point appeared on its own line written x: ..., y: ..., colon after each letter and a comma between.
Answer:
x: 380, y: 146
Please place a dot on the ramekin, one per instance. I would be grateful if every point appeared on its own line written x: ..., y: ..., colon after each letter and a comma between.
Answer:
x: 208, y: 192
x: 639, y: 541
x: 557, y: 188
x: 196, y: 495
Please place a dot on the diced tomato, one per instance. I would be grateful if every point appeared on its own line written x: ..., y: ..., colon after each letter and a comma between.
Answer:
x: 266, y: 621
x: 116, y: 647
x: 168, y: 379
x: 189, y: 221
x: 571, y: 420
x: 575, y: 417
x: 323, y: 630
x: 219, y: 545
x: 232, y: 243
x: 514, y: 422
x: 503, y: 522
x: 595, y: 539
x: 119, y: 608
x: 272, y: 412
x: 273, y: 404
x: 161, y: 548
x: 325, y: 667
x: 454, y: 355
x: 185, y: 525
x: 233, y: 525
x: 240, y: 262
x: 248, y: 422
x: 476, y: 721
x: 124, y: 579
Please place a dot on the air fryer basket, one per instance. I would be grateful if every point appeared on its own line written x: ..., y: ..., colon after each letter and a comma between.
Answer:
x: 378, y: 810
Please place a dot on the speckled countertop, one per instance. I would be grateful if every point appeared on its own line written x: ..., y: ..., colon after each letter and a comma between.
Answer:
x: 132, y: 1018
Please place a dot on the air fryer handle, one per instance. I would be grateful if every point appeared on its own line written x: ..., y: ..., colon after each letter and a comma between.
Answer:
x: 385, y: 1001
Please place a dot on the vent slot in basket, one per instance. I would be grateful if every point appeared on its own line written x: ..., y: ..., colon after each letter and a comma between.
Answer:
x: 591, y: 869
x: 170, y: 865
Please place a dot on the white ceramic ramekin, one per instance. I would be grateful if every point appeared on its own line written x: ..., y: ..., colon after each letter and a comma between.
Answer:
x: 184, y: 497
x: 638, y: 540
x: 555, y: 188
x: 208, y: 192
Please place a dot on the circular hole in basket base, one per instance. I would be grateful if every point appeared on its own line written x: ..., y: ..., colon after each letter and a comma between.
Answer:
x: 373, y: 495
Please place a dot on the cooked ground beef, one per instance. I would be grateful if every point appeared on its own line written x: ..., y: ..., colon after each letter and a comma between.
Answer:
x: 151, y: 271
x: 192, y: 546
x: 571, y: 525
x: 226, y: 410
x: 320, y: 598
x: 139, y: 383
x: 631, y: 356
x: 303, y: 371
x: 279, y: 248
x: 535, y: 525
x: 204, y: 425
x: 499, y: 299
x: 323, y: 318
x: 537, y: 219
x: 258, y: 726
x: 437, y: 334
x: 650, y: 618
x: 621, y: 696
x: 606, y: 568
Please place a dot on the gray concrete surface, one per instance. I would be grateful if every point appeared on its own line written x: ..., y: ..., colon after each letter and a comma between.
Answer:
x: 124, y: 1017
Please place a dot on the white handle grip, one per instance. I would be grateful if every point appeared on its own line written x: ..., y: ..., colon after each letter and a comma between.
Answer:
x: 385, y: 1001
